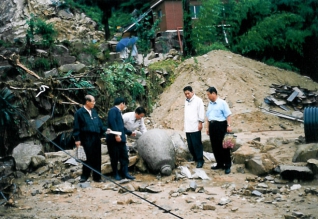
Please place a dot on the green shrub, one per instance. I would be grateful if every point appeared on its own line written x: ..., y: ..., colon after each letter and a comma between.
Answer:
x: 203, y: 49
x: 282, y: 65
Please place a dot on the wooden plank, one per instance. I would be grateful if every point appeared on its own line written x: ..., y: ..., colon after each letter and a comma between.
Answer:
x: 274, y: 130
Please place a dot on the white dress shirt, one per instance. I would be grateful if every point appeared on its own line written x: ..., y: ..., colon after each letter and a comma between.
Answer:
x: 132, y: 124
x: 193, y: 113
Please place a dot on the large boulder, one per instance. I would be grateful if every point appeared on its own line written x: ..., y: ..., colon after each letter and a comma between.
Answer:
x: 24, y: 152
x: 156, y: 148
x: 182, y: 150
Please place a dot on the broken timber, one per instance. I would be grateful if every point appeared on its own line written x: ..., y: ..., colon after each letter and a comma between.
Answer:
x: 275, y: 113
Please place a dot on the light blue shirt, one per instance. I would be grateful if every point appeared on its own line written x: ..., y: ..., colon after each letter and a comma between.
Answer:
x: 218, y: 110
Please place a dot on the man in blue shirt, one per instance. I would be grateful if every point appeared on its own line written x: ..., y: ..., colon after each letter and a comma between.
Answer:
x: 218, y: 123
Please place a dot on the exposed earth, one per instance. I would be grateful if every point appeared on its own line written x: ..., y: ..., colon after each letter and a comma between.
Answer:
x: 244, y: 83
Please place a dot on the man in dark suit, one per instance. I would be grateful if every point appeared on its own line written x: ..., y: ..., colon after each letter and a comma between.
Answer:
x: 117, y: 143
x: 88, y: 129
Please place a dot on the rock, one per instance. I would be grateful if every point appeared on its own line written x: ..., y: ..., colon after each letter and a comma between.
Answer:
x: 38, y: 161
x: 51, y: 73
x: 141, y: 165
x: 181, y: 148
x: 208, y: 207
x: 126, y: 188
x: 245, y: 152
x: 193, y: 185
x: 24, y: 152
x: 206, y: 143
x: 42, y: 170
x: 153, y: 189
x: 261, y: 164
x: 257, y: 193
x: 224, y: 201
x: 295, y: 172
x: 65, y: 14
x: 63, y: 123
x: 306, y: 152
x: 313, y: 165
x: 65, y: 187
x: 79, y: 68
x: 157, y: 150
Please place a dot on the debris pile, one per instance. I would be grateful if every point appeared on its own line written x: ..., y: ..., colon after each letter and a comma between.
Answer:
x: 291, y: 97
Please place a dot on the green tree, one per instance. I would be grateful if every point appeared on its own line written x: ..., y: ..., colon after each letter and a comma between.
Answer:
x: 146, y: 32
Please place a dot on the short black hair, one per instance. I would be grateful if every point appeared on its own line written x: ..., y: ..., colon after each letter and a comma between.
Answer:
x: 211, y: 90
x: 187, y: 88
x: 119, y: 100
x: 140, y: 110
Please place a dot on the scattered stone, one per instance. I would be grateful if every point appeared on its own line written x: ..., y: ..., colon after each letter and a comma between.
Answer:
x: 257, y: 193
x: 193, y: 185
x: 209, y: 207
x: 224, y: 201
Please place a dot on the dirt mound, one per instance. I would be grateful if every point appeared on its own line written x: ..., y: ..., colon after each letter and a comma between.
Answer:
x: 243, y: 82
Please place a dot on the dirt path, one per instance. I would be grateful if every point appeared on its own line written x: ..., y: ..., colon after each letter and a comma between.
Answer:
x: 244, y: 83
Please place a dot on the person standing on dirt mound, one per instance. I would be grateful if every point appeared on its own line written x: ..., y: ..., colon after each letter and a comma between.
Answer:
x: 219, y: 122
x: 88, y: 129
x: 116, y: 144
x: 193, y: 122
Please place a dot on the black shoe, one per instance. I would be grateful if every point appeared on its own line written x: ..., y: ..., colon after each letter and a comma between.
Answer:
x: 200, y: 164
x: 117, y: 177
x: 82, y: 180
x: 98, y: 181
x: 227, y: 170
x: 126, y: 174
x: 217, y: 167
x: 191, y: 160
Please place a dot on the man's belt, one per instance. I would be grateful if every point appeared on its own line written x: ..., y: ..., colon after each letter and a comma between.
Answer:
x: 216, y: 121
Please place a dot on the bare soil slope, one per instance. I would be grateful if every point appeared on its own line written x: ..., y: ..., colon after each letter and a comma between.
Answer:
x: 241, y: 81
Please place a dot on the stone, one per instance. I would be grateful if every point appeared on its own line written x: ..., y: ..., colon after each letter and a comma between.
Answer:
x: 53, y: 72
x: 38, y: 161
x: 24, y: 152
x: 245, y: 152
x: 206, y: 143
x: 156, y: 148
x: 313, y: 165
x: 65, y: 14
x: 65, y: 187
x: 306, y: 152
x: 153, y: 189
x: 209, y: 207
x: 261, y: 164
x: 79, y: 68
x: 40, y: 171
x: 181, y: 148
x: 295, y: 172
x: 63, y: 123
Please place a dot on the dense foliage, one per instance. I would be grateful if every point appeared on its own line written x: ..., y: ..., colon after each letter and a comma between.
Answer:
x: 274, y: 31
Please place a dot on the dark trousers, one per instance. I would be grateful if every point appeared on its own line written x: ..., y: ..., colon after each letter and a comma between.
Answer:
x: 117, y: 152
x: 92, y: 147
x: 217, y: 132
x: 195, y: 145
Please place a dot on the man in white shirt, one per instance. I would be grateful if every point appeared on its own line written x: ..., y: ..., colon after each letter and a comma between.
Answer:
x: 134, y: 122
x: 193, y: 122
